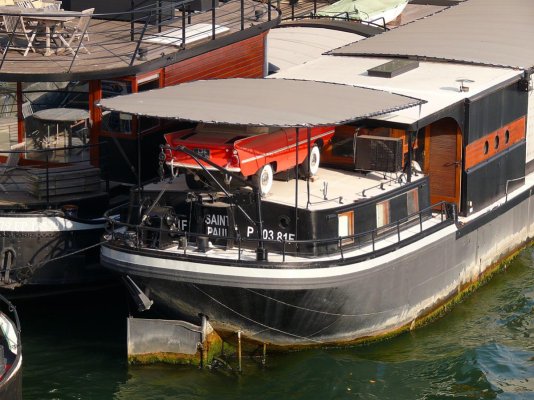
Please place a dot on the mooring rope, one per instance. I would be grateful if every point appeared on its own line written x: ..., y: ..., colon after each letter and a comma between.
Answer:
x: 317, y: 311
x: 40, y: 264
x: 256, y: 322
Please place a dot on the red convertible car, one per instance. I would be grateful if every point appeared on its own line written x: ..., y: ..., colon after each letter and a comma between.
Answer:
x: 254, y: 152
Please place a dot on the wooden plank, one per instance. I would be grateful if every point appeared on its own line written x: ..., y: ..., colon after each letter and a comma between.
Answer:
x: 475, y: 152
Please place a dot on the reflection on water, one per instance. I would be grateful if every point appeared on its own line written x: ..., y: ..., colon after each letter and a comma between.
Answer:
x: 74, y: 348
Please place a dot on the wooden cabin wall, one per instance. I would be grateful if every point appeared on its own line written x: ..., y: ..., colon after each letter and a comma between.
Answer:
x: 244, y: 59
x: 495, y: 146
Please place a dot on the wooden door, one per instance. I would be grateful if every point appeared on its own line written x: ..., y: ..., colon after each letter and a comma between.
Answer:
x: 443, y: 160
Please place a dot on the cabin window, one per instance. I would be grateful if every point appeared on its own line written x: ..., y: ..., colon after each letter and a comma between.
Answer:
x: 143, y: 84
x: 412, y: 202
x: 486, y: 147
x: 383, y: 214
x: 496, y: 142
x: 44, y: 135
x: 346, y: 226
x: 113, y: 121
x: 506, y: 136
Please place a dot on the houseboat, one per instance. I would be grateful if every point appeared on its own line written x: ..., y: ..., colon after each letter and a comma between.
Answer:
x: 423, y: 191
x: 63, y: 161
x: 10, y: 352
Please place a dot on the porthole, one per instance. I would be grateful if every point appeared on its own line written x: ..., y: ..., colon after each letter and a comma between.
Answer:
x: 486, y: 147
x: 284, y: 222
x: 506, y: 136
x: 496, y: 142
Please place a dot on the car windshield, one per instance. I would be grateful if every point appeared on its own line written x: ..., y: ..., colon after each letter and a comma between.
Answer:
x: 243, y: 130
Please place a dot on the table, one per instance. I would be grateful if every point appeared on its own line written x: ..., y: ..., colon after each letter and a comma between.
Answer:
x: 62, y: 115
x: 46, y: 17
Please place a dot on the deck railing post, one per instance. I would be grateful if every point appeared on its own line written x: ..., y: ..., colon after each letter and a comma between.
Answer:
x: 159, y: 16
x: 47, y: 180
x: 269, y: 5
x: 12, y: 34
x: 242, y: 15
x: 132, y: 27
x: 420, y: 221
x: 373, y: 239
x: 136, y: 51
x: 213, y: 3
x: 398, y: 231
x: 183, y: 27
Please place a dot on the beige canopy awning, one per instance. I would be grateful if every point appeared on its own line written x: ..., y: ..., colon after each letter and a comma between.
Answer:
x: 261, y: 102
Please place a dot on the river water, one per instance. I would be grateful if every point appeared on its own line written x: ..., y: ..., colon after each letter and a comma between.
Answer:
x: 74, y: 348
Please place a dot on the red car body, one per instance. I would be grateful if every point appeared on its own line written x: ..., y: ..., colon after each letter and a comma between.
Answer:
x: 245, y: 149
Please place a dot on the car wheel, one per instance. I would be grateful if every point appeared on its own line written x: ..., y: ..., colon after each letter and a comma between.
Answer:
x: 315, y: 159
x: 263, y: 179
x: 194, y: 181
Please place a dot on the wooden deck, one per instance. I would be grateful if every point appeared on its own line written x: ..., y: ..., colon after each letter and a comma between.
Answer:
x: 111, y: 47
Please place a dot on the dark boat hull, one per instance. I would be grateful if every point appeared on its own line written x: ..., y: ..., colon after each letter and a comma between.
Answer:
x: 39, y: 249
x: 332, y: 303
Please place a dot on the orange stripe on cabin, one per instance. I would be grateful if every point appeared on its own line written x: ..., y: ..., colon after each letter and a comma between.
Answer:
x: 488, y: 146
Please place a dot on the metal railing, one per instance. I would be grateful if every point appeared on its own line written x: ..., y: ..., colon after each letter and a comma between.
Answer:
x: 300, y: 11
x: 34, y: 178
x: 118, y: 40
x: 143, y: 236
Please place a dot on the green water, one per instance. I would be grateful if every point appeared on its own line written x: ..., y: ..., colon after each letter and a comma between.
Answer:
x: 74, y: 348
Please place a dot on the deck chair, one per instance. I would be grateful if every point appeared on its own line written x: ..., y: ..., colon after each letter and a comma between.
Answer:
x: 10, y: 164
x: 79, y: 32
x: 27, y: 110
x: 17, y: 30
x: 52, y: 5
x: 24, y: 3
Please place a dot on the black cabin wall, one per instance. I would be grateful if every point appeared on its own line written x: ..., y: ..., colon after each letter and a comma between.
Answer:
x: 494, y: 110
x: 486, y: 182
x: 112, y: 162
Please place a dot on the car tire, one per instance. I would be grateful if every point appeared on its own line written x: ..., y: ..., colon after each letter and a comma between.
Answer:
x: 194, y: 182
x: 315, y: 159
x: 263, y: 179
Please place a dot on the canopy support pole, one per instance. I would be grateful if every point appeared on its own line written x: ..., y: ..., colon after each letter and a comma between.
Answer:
x: 296, y: 183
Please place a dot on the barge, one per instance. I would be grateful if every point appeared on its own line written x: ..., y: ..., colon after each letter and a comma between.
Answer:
x: 414, y: 204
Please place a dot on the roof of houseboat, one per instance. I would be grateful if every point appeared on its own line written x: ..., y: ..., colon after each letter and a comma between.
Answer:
x: 484, y: 32
x: 290, y: 45
x: 272, y: 102
x: 435, y: 82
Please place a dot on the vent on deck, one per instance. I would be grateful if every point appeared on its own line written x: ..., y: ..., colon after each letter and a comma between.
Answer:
x: 393, y: 68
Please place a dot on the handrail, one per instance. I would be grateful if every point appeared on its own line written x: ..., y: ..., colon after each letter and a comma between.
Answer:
x: 343, y: 16
x: 117, y: 37
x: 119, y: 231
x: 11, y: 182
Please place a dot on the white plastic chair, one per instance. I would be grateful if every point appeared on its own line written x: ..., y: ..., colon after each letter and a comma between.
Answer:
x: 16, y: 29
x: 69, y: 34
